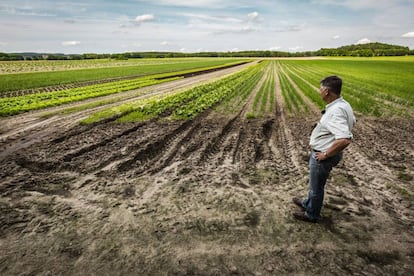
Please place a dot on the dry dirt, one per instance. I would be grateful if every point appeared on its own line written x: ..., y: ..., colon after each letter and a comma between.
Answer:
x: 210, y: 196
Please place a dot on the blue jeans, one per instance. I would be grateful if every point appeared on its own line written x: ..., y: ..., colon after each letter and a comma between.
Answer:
x: 319, y: 173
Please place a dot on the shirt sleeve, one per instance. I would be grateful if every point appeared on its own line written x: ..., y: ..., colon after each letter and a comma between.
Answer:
x: 338, y: 126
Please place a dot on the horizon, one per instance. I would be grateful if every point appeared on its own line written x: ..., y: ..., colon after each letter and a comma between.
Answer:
x: 69, y: 54
x: 102, y: 27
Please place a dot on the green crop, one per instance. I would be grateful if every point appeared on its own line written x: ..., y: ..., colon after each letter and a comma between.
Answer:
x: 266, y: 95
x: 291, y: 96
x: 181, y: 105
x: 15, y: 105
x: 222, y: 89
x: 373, y: 87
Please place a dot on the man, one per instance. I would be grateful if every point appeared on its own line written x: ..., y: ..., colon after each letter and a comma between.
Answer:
x: 329, y: 138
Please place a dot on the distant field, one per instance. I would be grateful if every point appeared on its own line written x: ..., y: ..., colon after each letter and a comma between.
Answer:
x: 44, y: 73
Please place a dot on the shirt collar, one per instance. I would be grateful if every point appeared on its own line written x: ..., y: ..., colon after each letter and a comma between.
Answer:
x: 340, y: 99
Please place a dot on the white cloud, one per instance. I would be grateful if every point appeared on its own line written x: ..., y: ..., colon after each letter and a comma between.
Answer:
x: 363, y: 41
x: 336, y: 37
x: 275, y: 48
x: 253, y: 16
x: 165, y: 43
x: 144, y: 18
x: 408, y: 35
x: 71, y: 43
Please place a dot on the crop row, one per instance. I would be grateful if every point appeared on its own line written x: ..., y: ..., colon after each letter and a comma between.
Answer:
x: 242, y: 83
x: 372, y: 87
x: 235, y: 103
x: 16, y: 105
x: 292, y: 97
x: 363, y: 102
x: 185, y: 104
x: 264, y: 99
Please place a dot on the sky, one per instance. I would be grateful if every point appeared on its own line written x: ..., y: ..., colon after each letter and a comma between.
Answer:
x: 106, y: 26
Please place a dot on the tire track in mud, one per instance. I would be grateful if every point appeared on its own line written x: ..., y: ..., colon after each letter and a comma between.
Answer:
x: 143, y: 160
x: 284, y: 137
x: 215, y: 145
x: 68, y: 157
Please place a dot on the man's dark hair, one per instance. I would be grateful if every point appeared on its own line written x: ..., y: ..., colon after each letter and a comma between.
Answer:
x: 333, y: 83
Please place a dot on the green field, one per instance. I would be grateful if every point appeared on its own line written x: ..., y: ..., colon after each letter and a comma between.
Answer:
x: 102, y: 70
x: 373, y: 86
x: 378, y: 86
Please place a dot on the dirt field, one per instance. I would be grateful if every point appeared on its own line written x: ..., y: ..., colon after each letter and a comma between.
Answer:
x: 211, y: 196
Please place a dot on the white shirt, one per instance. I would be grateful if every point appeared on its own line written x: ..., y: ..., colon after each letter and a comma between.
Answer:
x: 336, y: 123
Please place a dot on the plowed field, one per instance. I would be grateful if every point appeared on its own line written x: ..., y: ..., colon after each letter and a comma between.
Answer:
x: 208, y: 196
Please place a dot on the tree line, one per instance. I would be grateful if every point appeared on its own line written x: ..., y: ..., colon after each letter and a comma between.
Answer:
x: 358, y: 50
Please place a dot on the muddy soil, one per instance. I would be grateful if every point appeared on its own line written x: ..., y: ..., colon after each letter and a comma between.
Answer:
x: 211, y: 196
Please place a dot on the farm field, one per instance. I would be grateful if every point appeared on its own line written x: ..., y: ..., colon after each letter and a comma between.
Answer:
x: 195, y: 176
x: 47, y: 76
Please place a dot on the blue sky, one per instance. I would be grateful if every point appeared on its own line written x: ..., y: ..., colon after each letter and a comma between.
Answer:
x: 102, y: 26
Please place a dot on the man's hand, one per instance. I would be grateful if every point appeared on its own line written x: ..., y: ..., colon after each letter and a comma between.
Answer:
x: 320, y: 156
x: 338, y: 146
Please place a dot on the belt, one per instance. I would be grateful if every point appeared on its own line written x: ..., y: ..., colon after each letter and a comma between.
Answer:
x: 315, y: 150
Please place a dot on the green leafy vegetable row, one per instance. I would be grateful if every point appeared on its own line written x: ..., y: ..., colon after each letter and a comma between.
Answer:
x: 15, y: 105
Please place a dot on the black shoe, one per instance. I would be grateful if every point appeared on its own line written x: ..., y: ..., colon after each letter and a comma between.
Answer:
x: 303, y: 217
x: 298, y: 202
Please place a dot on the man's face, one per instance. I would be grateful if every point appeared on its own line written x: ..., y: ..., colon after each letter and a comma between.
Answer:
x: 324, y: 92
